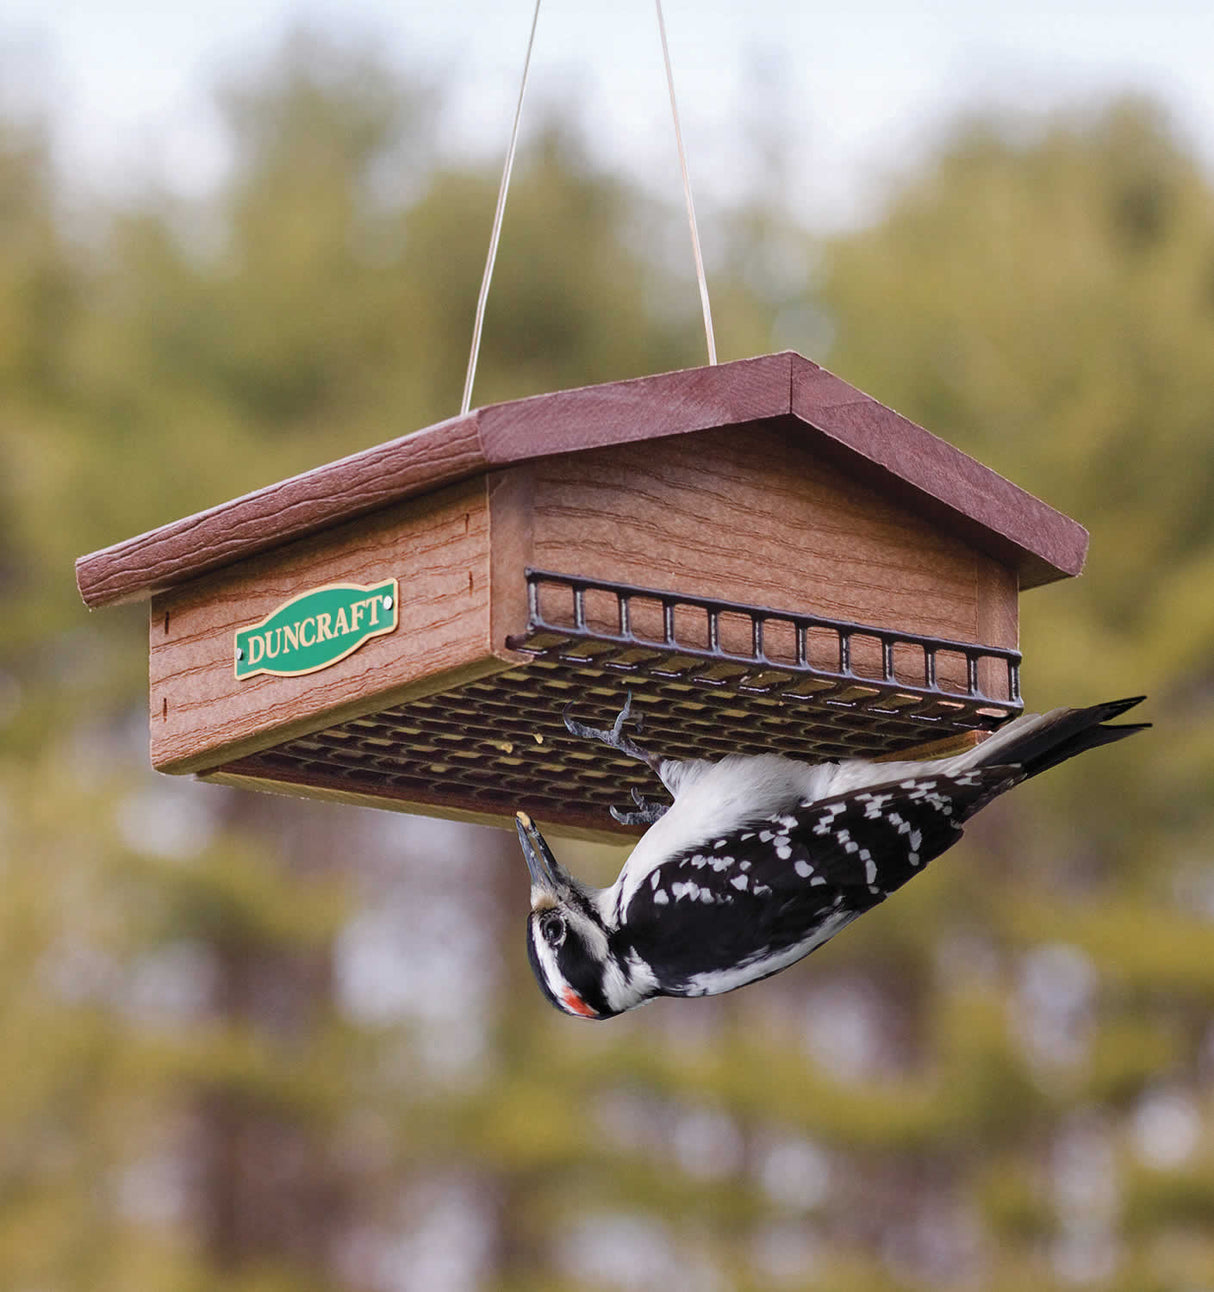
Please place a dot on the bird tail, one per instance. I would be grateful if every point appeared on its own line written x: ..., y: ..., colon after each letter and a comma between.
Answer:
x: 1036, y: 742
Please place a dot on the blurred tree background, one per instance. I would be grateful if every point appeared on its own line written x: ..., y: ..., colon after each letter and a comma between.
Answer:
x: 280, y: 1047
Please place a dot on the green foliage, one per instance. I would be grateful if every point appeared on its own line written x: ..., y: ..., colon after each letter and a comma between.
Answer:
x: 187, y: 1100
x: 1040, y: 296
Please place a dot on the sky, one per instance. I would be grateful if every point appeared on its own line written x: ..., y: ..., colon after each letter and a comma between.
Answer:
x: 854, y: 91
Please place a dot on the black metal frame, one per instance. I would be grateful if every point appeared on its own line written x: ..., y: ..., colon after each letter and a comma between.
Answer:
x: 566, y: 639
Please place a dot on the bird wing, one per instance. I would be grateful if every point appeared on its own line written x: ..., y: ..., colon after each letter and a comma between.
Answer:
x: 749, y: 902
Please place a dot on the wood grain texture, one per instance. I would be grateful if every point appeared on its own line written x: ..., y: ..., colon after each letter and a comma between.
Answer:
x: 888, y: 451
x: 953, y: 488
x: 753, y: 515
x: 437, y: 546
x: 511, y: 551
x: 998, y: 592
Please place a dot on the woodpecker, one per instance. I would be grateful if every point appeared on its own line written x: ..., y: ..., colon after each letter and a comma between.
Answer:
x: 760, y: 859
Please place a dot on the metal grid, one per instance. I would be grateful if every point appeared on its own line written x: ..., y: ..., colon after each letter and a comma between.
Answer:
x: 707, y: 677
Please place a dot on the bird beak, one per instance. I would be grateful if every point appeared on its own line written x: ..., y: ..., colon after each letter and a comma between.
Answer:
x: 542, y: 865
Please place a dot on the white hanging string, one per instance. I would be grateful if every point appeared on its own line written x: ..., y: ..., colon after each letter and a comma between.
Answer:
x: 691, y: 210
x: 495, y: 236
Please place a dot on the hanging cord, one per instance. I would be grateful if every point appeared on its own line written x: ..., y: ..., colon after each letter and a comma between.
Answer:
x: 691, y: 210
x: 495, y: 236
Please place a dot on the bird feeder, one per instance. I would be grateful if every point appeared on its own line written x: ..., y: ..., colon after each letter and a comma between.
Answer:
x: 766, y: 557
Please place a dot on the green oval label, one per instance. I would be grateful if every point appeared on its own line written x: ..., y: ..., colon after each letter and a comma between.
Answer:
x: 316, y: 629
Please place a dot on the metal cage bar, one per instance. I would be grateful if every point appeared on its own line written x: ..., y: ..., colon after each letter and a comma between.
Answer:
x: 557, y: 636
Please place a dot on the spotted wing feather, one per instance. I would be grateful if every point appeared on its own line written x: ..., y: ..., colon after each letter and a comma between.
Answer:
x: 768, y: 887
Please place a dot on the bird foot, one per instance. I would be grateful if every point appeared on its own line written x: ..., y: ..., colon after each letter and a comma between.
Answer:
x: 648, y: 811
x: 614, y: 738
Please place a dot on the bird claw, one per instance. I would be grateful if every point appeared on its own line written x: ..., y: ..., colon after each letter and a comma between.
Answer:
x: 647, y: 805
x: 614, y: 738
x: 646, y: 816
x: 647, y: 811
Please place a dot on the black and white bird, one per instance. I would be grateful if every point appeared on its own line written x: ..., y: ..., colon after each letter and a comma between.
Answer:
x: 761, y: 859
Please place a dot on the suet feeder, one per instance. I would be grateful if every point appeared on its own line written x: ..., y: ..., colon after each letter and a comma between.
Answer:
x: 769, y: 559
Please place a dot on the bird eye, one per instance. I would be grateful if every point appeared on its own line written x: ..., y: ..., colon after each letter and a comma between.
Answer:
x: 553, y: 929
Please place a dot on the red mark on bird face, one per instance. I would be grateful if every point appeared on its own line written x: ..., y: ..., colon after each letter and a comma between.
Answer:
x: 575, y: 1004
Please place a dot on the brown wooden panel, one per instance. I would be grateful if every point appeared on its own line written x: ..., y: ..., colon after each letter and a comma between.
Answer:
x: 998, y: 623
x: 753, y: 515
x: 998, y: 606
x: 437, y: 546
x: 511, y: 552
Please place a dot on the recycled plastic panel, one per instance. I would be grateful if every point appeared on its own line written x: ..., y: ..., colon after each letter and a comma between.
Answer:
x: 437, y: 547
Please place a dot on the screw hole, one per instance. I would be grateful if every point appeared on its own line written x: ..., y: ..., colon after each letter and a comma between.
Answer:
x: 164, y: 708
x: 166, y: 622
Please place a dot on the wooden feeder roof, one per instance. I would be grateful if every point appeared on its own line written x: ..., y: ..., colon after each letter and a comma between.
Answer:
x: 863, y: 436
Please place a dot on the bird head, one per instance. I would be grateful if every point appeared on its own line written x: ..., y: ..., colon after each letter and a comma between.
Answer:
x: 568, y: 943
